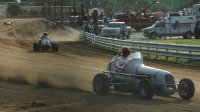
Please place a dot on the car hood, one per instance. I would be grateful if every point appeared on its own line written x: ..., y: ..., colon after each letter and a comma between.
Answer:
x: 148, y: 28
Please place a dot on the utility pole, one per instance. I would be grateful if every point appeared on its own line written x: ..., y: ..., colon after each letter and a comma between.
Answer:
x: 74, y: 10
x: 54, y: 8
x: 61, y: 11
x: 82, y: 13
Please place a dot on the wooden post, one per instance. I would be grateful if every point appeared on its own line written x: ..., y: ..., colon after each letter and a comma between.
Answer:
x: 166, y: 56
x: 95, y: 19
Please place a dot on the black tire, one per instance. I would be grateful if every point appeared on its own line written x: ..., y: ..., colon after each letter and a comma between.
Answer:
x: 153, y: 35
x: 121, y: 37
x: 187, y: 35
x: 55, y: 47
x: 36, y: 47
x: 128, y: 36
x: 186, y: 89
x: 146, y: 89
x: 101, y: 83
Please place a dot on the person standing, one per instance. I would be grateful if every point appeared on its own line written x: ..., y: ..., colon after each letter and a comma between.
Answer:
x: 197, y: 31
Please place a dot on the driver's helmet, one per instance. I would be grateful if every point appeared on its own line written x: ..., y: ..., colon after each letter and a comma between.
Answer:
x: 125, y: 51
x: 45, y: 34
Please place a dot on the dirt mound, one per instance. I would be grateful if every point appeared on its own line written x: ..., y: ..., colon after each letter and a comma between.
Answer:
x: 16, y: 49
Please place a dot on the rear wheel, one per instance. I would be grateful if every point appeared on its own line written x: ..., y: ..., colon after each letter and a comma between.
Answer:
x: 186, y: 89
x: 197, y: 36
x: 101, y: 83
x: 36, y: 47
x: 146, y: 89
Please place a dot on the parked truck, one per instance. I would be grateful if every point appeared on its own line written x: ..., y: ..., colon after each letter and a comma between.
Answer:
x: 172, y: 26
x: 136, y: 20
x: 116, y: 30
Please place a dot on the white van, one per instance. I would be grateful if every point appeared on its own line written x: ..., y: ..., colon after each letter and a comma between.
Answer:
x: 172, y: 26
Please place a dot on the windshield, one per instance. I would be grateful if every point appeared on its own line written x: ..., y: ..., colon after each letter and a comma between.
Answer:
x: 99, y: 23
x: 156, y: 23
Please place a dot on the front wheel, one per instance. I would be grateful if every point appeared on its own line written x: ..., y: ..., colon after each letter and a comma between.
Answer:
x: 188, y: 35
x: 146, y: 89
x: 55, y: 47
x: 101, y: 83
x: 121, y: 37
x: 186, y: 89
x: 153, y: 35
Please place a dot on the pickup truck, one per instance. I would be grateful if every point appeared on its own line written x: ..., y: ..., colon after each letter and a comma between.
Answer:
x: 100, y: 25
x: 116, y: 30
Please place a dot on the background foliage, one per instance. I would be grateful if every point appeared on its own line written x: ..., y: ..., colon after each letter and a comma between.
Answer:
x: 117, y: 5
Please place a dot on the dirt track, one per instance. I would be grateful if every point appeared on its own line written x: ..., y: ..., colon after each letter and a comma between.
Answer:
x: 63, y: 81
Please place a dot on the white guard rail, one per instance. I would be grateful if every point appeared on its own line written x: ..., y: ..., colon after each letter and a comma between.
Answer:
x: 169, y: 50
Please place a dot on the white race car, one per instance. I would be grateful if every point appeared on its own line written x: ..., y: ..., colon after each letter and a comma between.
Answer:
x: 142, y: 79
x: 46, y: 45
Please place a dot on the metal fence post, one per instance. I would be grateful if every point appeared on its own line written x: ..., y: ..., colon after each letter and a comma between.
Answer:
x: 176, y: 57
x: 83, y: 36
x: 166, y: 58
x: 93, y: 39
x: 157, y: 54
x: 190, y: 60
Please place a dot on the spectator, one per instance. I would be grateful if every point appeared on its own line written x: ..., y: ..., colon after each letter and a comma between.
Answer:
x: 197, y: 31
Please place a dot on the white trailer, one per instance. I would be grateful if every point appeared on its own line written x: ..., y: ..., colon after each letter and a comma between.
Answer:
x: 172, y: 26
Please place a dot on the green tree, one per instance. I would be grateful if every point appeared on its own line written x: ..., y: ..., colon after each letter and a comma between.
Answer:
x: 14, y: 9
x: 33, y: 12
x: 134, y: 5
x: 44, y: 11
x: 47, y: 9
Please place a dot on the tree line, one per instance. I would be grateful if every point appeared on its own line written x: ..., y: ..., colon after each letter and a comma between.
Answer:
x: 108, y: 5
x: 161, y: 5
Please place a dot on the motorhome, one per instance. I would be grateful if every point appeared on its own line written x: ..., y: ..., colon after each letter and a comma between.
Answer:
x: 196, y: 11
x: 172, y: 26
